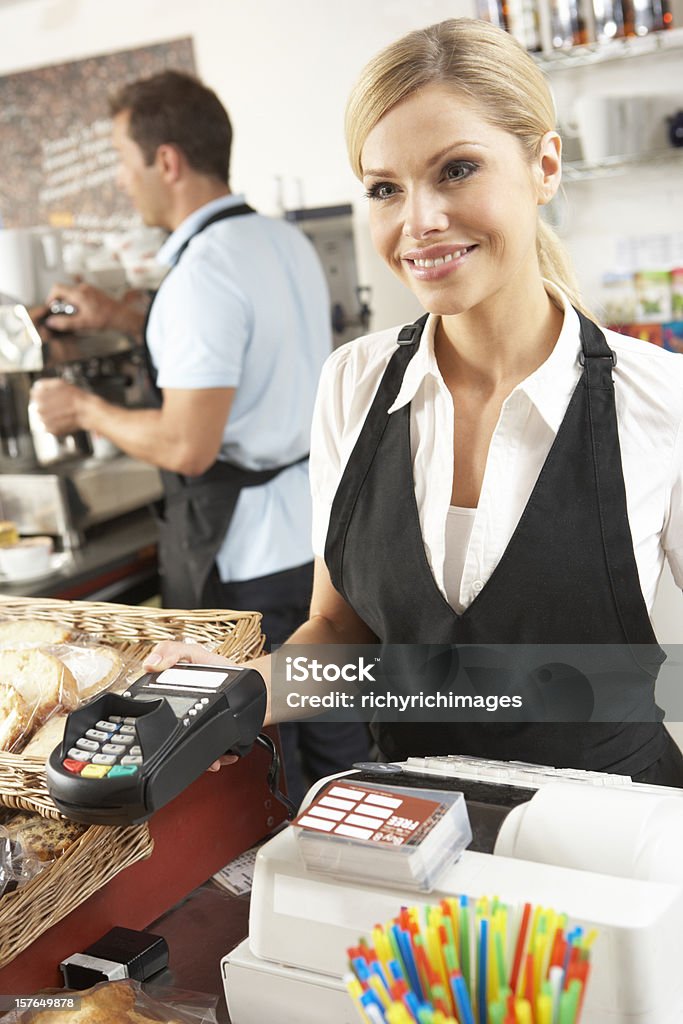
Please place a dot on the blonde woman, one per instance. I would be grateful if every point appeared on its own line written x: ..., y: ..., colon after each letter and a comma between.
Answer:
x: 503, y: 471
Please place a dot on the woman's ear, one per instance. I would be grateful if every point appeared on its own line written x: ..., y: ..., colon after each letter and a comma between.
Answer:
x: 549, y: 167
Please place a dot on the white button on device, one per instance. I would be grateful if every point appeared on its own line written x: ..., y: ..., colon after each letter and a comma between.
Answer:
x: 204, y: 700
x: 105, y: 727
x: 113, y: 748
x: 129, y: 721
x: 192, y: 711
x: 477, y: 586
x: 124, y: 738
x: 103, y: 759
x: 131, y: 760
x: 97, y: 734
x: 79, y: 755
x: 136, y: 751
x: 129, y: 729
x: 87, y: 744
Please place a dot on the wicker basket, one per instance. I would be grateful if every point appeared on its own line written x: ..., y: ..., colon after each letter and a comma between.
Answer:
x: 88, y: 864
x: 103, y: 850
x: 133, y: 631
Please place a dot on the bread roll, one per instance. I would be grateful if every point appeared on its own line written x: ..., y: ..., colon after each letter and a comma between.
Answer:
x: 17, y: 632
x: 108, y: 1003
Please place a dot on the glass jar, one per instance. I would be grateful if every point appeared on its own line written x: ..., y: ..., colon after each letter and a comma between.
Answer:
x: 608, y: 20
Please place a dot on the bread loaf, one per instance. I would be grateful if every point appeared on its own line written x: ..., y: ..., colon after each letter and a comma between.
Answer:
x: 46, y: 838
x: 47, y: 737
x: 15, y: 717
x: 17, y: 632
x: 94, y: 668
x: 42, y: 682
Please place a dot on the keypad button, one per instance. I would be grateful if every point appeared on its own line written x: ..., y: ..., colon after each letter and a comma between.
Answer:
x: 128, y: 729
x: 73, y: 766
x: 131, y: 760
x: 104, y: 759
x: 129, y: 721
x: 97, y: 734
x: 116, y: 719
x: 192, y: 711
x: 94, y: 771
x: 136, y: 751
x: 204, y: 700
x: 123, y: 738
x: 80, y: 755
x: 113, y: 748
x: 118, y: 770
x: 106, y: 726
x: 87, y: 744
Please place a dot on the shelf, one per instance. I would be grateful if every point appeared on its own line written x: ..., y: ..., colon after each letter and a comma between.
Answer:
x: 617, y: 49
x: 612, y: 166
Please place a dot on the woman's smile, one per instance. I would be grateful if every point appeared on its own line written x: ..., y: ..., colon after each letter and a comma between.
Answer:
x: 435, y: 262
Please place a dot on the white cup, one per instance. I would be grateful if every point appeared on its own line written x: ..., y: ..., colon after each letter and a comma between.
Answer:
x: 29, y: 557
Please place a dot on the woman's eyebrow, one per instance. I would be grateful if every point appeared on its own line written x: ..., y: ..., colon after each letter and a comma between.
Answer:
x: 381, y: 172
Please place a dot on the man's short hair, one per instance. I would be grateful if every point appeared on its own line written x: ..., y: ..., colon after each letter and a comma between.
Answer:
x: 177, y: 109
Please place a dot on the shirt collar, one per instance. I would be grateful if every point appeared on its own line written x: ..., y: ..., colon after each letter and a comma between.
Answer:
x: 168, y: 253
x: 549, y: 387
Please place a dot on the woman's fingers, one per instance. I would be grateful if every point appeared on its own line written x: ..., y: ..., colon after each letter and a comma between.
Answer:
x: 170, y: 652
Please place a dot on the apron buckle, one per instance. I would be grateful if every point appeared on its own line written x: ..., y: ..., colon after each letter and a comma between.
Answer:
x: 406, y: 336
x: 582, y: 357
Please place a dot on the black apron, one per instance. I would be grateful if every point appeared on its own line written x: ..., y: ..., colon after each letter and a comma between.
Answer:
x: 568, y: 575
x: 197, y: 511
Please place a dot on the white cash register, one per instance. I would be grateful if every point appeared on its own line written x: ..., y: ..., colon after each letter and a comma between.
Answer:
x: 603, y: 850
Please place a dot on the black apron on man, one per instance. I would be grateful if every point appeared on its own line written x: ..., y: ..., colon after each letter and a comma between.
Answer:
x: 568, y: 576
x: 197, y: 510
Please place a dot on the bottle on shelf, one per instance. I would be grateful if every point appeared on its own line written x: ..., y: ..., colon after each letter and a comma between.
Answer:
x: 644, y: 16
x: 608, y: 20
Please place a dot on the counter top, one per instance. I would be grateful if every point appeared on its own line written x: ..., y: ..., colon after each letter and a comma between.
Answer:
x: 117, y: 555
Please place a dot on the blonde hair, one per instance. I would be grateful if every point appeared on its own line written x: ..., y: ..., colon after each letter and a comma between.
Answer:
x: 484, y: 64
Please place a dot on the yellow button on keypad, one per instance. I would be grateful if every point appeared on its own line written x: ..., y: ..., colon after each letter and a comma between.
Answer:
x: 94, y: 771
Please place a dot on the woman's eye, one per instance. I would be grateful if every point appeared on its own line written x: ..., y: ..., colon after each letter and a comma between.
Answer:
x: 459, y: 170
x: 382, y: 190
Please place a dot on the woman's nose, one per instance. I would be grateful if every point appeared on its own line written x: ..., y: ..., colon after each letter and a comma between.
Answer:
x: 424, y: 214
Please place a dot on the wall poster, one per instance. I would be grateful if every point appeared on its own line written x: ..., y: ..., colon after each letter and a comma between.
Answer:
x: 58, y: 165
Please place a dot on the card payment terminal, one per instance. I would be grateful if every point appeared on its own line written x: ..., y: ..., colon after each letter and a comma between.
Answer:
x: 125, y: 756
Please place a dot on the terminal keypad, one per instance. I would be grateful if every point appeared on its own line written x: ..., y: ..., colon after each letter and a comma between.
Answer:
x: 109, y: 749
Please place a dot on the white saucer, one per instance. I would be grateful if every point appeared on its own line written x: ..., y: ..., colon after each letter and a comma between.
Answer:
x: 57, y: 562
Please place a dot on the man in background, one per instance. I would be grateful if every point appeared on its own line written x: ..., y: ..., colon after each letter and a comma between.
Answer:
x: 235, y: 337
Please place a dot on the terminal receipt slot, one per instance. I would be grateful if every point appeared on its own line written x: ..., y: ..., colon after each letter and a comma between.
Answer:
x: 605, y: 851
x: 124, y: 757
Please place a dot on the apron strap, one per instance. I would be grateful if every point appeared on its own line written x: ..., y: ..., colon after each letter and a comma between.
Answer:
x: 598, y: 361
x: 367, y: 444
x: 241, y: 210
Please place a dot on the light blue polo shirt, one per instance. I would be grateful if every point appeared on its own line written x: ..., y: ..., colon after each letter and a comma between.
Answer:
x: 247, y: 307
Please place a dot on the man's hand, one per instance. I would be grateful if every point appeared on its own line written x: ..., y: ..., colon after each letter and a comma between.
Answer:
x: 59, y: 405
x: 94, y: 309
x: 169, y: 653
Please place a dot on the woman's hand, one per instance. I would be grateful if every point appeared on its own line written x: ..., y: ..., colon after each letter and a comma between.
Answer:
x: 169, y: 653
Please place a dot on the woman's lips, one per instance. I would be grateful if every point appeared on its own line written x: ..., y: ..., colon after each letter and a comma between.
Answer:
x: 434, y: 265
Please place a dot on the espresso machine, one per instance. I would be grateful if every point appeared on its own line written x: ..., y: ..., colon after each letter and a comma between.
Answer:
x: 62, y: 486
